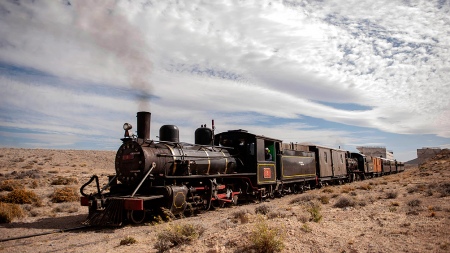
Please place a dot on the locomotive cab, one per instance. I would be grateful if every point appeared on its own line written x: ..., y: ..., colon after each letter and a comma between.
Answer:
x: 251, y: 150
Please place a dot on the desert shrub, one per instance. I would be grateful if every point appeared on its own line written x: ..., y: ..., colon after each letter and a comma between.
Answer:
x: 412, y: 212
x: 444, y: 245
x: 27, y: 167
x: 176, y: 235
x: 33, y: 174
x: 313, y: 209
x: 362, y: 202
x: 240, y: 216
x: 162, y: 215
x: 391, y: 194
x: 266, y: 239
x: 276, y: 214
x: 127, y: 241
x: 64, y: 180
x: 395, y: 204
x: 328, y: 190
x: 392, y: 209
x: 364, y: 187
x: 8, y: 212
x: 302, y: 199
x: 262, y: 209
x: 344, y: 202
x: 434, y: 208
x: 65, y: 194
x: 444, y: 189
x: 10, y: 185
x: 324, y: 199
x: 347, y: 189
x: 18, y: 160
x: 411, y: 189
x: 414, y: 203
x: 21, y: 196
x: 34, y: 184
x: 303, y: 218
x: 305, y: 228
x: 417, y: 188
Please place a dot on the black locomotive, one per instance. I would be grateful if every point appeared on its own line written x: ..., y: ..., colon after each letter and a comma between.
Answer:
x: 217, y: 170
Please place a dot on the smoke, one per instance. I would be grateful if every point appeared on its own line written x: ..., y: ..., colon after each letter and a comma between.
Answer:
x: 104, y: 21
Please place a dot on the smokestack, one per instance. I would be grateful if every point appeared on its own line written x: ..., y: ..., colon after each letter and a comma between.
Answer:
x: 143, y: 125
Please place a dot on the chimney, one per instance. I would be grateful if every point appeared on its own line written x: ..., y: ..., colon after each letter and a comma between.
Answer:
x: 143, y: 125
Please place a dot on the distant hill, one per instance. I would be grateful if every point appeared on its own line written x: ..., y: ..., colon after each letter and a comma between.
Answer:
x: 440, y: 160
x: 413, y: 161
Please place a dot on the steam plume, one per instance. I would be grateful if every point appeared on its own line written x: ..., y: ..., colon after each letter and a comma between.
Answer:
x: 111, y: 30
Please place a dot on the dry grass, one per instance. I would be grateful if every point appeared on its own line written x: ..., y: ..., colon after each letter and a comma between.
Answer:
x: 178, y: 234
x: 347, y: 189
x: 128, y: 241
x: 328, y: 190
x: 414, y: 203
x: 302, y: 199
x: 277, y: 214
x: 265, y: 239
x: 262, y: 209
x: 343, y: 202
x: 64, y: 181
x: 444, y: 189
x: 366, y: 187
x: 313, y: 209
x: 21, y: 196
x: 241, y: 216
x: 324, y: 199
x: 65, y: 194
x: 10, y: 185
x: 9, y: 212
x: 391, y: 194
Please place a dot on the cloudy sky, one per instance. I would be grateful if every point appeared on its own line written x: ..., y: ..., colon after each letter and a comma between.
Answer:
x: 335, y: 73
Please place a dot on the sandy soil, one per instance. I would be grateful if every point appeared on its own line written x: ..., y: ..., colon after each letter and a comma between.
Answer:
x: 406, y: 212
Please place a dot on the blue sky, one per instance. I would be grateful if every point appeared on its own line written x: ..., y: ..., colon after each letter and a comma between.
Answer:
x: 335, y: 73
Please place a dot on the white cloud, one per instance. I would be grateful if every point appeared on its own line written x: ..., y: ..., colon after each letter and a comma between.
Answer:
x: 284, y: 59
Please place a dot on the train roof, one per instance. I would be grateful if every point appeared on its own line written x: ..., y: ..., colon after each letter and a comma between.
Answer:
x: 320, y: 146
x: 245, y: 132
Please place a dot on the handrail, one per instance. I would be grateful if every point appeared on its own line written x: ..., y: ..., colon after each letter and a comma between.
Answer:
x: 143, y: 179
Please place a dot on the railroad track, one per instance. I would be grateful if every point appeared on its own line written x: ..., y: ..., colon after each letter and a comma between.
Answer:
x: 47, y: 233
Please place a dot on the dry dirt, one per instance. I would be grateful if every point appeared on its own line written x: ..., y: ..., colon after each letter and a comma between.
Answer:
x: 405, y: 212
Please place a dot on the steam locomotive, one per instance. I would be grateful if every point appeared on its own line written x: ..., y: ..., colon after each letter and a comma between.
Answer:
x: 217, y: 170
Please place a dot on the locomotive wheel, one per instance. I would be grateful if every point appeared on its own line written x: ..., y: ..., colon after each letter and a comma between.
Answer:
x: 215, y: 204
x: 136, y: 216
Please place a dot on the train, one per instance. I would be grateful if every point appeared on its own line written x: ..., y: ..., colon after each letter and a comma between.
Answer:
x: 177, y: 178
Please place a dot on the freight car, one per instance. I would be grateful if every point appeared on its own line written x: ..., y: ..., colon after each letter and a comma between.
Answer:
x: 180, y: 178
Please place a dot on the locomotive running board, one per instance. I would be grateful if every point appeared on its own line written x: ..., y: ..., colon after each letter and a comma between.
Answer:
x: 211, y: 176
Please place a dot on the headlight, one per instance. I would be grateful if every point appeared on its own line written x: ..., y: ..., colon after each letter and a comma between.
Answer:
x: 127, y: 126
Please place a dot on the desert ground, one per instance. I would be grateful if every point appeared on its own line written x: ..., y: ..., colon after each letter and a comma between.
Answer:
x: 405, y: 212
